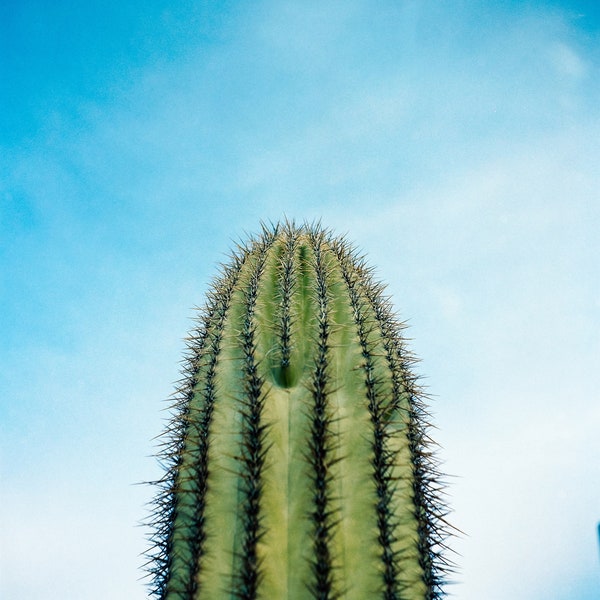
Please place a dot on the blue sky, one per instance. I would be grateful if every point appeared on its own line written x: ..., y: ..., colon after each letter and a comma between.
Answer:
x: 457, y: 143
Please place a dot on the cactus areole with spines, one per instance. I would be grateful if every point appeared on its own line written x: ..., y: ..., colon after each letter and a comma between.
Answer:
x: 297, y: 461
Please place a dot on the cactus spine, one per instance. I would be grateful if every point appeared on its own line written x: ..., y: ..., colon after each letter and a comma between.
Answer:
x: 297, y: 459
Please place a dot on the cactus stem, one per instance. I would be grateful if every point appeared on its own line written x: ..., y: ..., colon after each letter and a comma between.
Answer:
x: 297, y: 461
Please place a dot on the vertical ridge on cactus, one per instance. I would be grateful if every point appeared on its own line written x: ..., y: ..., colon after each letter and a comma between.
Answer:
x: 297, y: 460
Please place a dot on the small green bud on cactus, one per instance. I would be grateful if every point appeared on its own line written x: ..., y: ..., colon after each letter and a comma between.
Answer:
x: 297, y: 460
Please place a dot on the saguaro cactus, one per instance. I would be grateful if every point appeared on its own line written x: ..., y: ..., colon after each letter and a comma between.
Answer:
x: 297, y: 459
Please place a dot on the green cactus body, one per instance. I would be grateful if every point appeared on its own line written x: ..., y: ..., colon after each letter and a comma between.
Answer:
x: 296, y: 460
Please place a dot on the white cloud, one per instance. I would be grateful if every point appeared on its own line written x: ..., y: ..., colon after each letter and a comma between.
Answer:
x: 567, y: 61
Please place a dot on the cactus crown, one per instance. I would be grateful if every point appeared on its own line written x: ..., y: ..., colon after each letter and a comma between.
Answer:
x: 297, y: 460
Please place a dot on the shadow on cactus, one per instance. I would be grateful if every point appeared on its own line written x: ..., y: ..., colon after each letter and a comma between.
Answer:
x: 297, y: 460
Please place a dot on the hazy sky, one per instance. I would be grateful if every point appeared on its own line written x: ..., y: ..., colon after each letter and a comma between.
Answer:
x: 456, y: 142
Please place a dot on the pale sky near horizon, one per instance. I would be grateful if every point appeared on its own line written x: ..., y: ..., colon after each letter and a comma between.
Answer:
x: 456, y: 143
